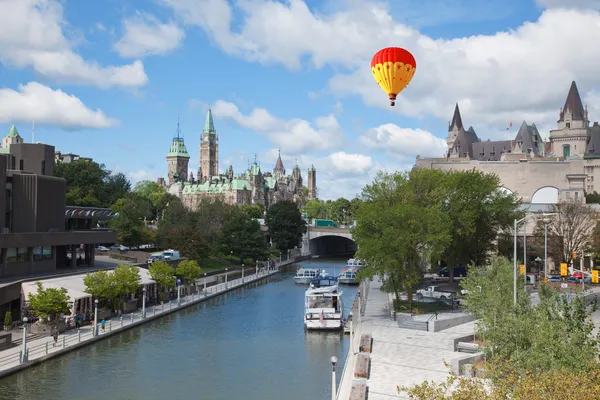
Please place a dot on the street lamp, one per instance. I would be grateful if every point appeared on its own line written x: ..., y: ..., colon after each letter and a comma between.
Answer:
x: 516, y: 224
x: 96, y: 318
x: 547, y: 221
x: 144, y: 301
x: 178, y: 282
x: 24, y: 351
x: 226, y: 273
x: 333, y: 390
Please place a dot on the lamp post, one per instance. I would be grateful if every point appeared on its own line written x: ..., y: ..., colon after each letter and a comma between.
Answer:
x: 516, y: 224
x: 333, y: 389
x: 178, y: 282
x: 96, y: 317
x: 242, y: 273
x: 546, y: 223
x: 24, y: 351
x: 226, y: 273
x: 144, y: 301
x: 205, y: 284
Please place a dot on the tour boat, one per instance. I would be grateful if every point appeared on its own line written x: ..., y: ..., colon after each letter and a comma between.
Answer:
x: 354, y: 263
x: 323, y: 305
x: 348, y: 276
x: 305, y: 275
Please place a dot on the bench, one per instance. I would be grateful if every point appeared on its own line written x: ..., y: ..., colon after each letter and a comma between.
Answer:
x: 361, y: 370
x: 467, y: 347
x: 365, y: 343
x: 358, y: 391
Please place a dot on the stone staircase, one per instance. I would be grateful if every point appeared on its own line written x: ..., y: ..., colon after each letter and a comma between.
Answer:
x: 407, y: 323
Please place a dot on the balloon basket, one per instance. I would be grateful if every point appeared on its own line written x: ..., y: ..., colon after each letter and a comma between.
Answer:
x: 392, y: 103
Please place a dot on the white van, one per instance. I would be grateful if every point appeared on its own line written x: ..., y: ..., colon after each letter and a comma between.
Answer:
x: 171, y: 254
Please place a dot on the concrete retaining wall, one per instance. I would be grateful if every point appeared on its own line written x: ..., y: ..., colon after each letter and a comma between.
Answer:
x: 441, y: 324
x: 459, y: 362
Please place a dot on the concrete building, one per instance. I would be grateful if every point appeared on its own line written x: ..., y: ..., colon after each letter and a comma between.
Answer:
x: 252, y: 186
x: 39, y: 234
x: 68, y: 157
x: 565, y: 167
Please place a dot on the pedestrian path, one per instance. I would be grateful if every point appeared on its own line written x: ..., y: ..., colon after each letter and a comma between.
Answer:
x: 39, y: 350
x: 399, y: 357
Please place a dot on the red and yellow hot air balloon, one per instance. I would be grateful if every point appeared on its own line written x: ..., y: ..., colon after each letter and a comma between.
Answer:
x: 393, y: 68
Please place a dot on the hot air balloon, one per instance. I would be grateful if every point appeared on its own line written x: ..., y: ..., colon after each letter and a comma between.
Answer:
x: 393, y: 68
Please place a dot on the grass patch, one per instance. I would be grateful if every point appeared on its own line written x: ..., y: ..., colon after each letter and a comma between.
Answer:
x: 211, y: 264
x: 420, y: 308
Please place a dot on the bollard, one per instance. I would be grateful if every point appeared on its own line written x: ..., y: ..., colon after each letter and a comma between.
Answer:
x: 132, y: 318
x: 121, y: 321
x: 110, y: 325
x: 64, y: 342
x: 46, y: 347
x: 78, y: 335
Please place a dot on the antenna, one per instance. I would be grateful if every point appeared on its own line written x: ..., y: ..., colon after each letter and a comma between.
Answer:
x: 178, y: 130
x: 32, y: 131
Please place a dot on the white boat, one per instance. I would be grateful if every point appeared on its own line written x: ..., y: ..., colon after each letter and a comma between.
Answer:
x: 323, y: 305
x: 354, y: 263
x: 348, y: 276
x: 305, y: 275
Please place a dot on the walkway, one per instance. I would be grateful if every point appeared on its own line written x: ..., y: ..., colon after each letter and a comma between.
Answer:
x: 42, y: 349
x: 400, y: 357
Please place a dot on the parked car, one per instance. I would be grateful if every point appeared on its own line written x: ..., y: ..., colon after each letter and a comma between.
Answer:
x: 577, y: 275
x: 119, y: 247
x: 554, y: 278
x: 171, y: 254
x: 433, y: 291
x: 102, y: 249
x: 572, y: 279
x: 155, y: 257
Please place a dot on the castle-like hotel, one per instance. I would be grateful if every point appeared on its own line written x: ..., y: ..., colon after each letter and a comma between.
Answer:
x: 252, y: 186
x: 563, y: 168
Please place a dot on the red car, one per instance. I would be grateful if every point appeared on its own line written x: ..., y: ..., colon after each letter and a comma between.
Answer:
x: 577, y: 275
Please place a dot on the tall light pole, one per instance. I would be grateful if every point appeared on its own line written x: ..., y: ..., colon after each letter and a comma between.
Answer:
x: 333, y: 389
x: 24, y: 351
x: 178, y: 282
x: 96, y: 317
x: 144, y: 301
x: 516, y: 224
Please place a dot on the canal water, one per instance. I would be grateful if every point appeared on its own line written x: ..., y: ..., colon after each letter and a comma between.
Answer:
x: 247, y: 344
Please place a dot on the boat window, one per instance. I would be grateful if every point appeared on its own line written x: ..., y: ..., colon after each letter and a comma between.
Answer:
x: 320, y: 302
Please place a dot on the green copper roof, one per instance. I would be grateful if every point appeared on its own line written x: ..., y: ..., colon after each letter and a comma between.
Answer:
x: 209, y: 125
x: 255, y: 169
x: 178, y: 149
x: 12, y: 133
x: 217, y: 186
x: 312, y: 168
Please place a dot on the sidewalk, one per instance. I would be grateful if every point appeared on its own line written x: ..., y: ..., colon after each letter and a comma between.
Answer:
x: 400, y: 357
x: 39, y: 350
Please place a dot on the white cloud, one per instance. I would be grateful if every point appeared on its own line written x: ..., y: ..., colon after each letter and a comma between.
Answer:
x: 145, y: 35
x: 521, y: 74
x: 293, y: 136
x: 39, y: 103
x: 350, y: 163
x: 404, y: 143
x: 32, y: 36
x: 593, y: 4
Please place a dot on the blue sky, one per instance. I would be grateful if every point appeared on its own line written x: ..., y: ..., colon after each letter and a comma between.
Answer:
x: 108, y: 79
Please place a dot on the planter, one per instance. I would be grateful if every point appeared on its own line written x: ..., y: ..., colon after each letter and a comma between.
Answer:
x: 46, y: 329
x: 6, y: 328
x: 129, y: 306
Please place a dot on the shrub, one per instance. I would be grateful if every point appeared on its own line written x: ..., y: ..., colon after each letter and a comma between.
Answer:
x: 8, y: 319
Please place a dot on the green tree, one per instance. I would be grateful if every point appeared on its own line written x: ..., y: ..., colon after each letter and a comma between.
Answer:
x: 164, y: 276
x: 315, y: 209
x: 129, y: 225
x: 341, y: 211
x: 242, y: 237
x: 99, y: 285
x: 49, y: 302
x: 401, y: 226
x: 286, y: 225
x: 116, y: 186
x: 478, y: 210
x: 189, y: 270
x: 157, y: 195
x: 254, y: 210
x: 592, y: 198
x: 125, y: 280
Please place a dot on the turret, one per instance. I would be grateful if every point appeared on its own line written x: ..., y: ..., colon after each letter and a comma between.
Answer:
x: 177, y: 159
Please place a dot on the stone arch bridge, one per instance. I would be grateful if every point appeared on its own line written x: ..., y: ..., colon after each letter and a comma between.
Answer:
x: 327, y: 241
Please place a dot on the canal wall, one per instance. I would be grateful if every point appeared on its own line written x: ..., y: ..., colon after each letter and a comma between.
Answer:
x: 43, y: 349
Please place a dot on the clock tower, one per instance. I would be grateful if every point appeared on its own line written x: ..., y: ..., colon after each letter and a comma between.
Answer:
x: 209, y: 150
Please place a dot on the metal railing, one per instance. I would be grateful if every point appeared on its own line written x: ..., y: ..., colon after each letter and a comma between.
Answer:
x: 74, y: 337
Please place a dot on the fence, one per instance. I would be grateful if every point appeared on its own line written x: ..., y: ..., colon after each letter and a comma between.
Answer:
x: 12, y: 358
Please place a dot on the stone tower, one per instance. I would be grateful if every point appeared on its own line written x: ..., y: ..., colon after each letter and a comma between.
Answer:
x: 177, y: 160
x: 12, y: 137
x: 572, y: 133
x: 279, y: 170
x: 455, y: 126
x: 312, y: 183
x: 209, y: 150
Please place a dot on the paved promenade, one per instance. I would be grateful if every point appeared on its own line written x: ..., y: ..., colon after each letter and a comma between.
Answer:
x: 42, y: 349
x: 400, y: 357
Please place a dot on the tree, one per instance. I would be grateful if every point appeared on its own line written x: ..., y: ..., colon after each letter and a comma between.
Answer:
x: 189, y: 270
x: 115, y: 187
x: 47, y: 303
x: 99, y: 285
x: 129, y: 225
x: 315, y: 209
x: 241, y: 237
x: 401, y: 226
x: 125, y: 280
x: 164, y: 276
x: 341, y: 209
x: 592, y: 198
x: 254, y: 210
x: 477, y: 212
x: 157, y: 195
x: 571, y: 227
x: 286, y: 225
x: 112, y: 286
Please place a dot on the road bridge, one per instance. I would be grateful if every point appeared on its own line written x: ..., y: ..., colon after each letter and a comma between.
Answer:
x: 328, y: 241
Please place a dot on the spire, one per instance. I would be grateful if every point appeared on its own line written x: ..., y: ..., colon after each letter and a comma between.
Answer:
x: 279, y: 165
x: 456, y: 119
x: 209, y: 125
x: 573, y: 104
x: 178, y: 132
x: 13, y: 133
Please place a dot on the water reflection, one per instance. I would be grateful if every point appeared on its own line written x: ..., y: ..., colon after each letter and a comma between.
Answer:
x: 249, y: 343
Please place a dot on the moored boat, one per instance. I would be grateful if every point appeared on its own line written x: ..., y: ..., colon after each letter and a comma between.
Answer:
x: 305, y: 275
x: 323, y: 305
x: 348, y: 276
x: 354, y: 263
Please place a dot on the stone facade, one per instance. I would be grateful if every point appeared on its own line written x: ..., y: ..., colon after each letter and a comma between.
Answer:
x: 563, y: 168
x: 252, y: 186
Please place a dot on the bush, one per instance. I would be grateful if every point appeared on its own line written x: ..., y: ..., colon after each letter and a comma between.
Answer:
x: 248, y: 262
x: 229, y: 258
x: 8, y: 319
